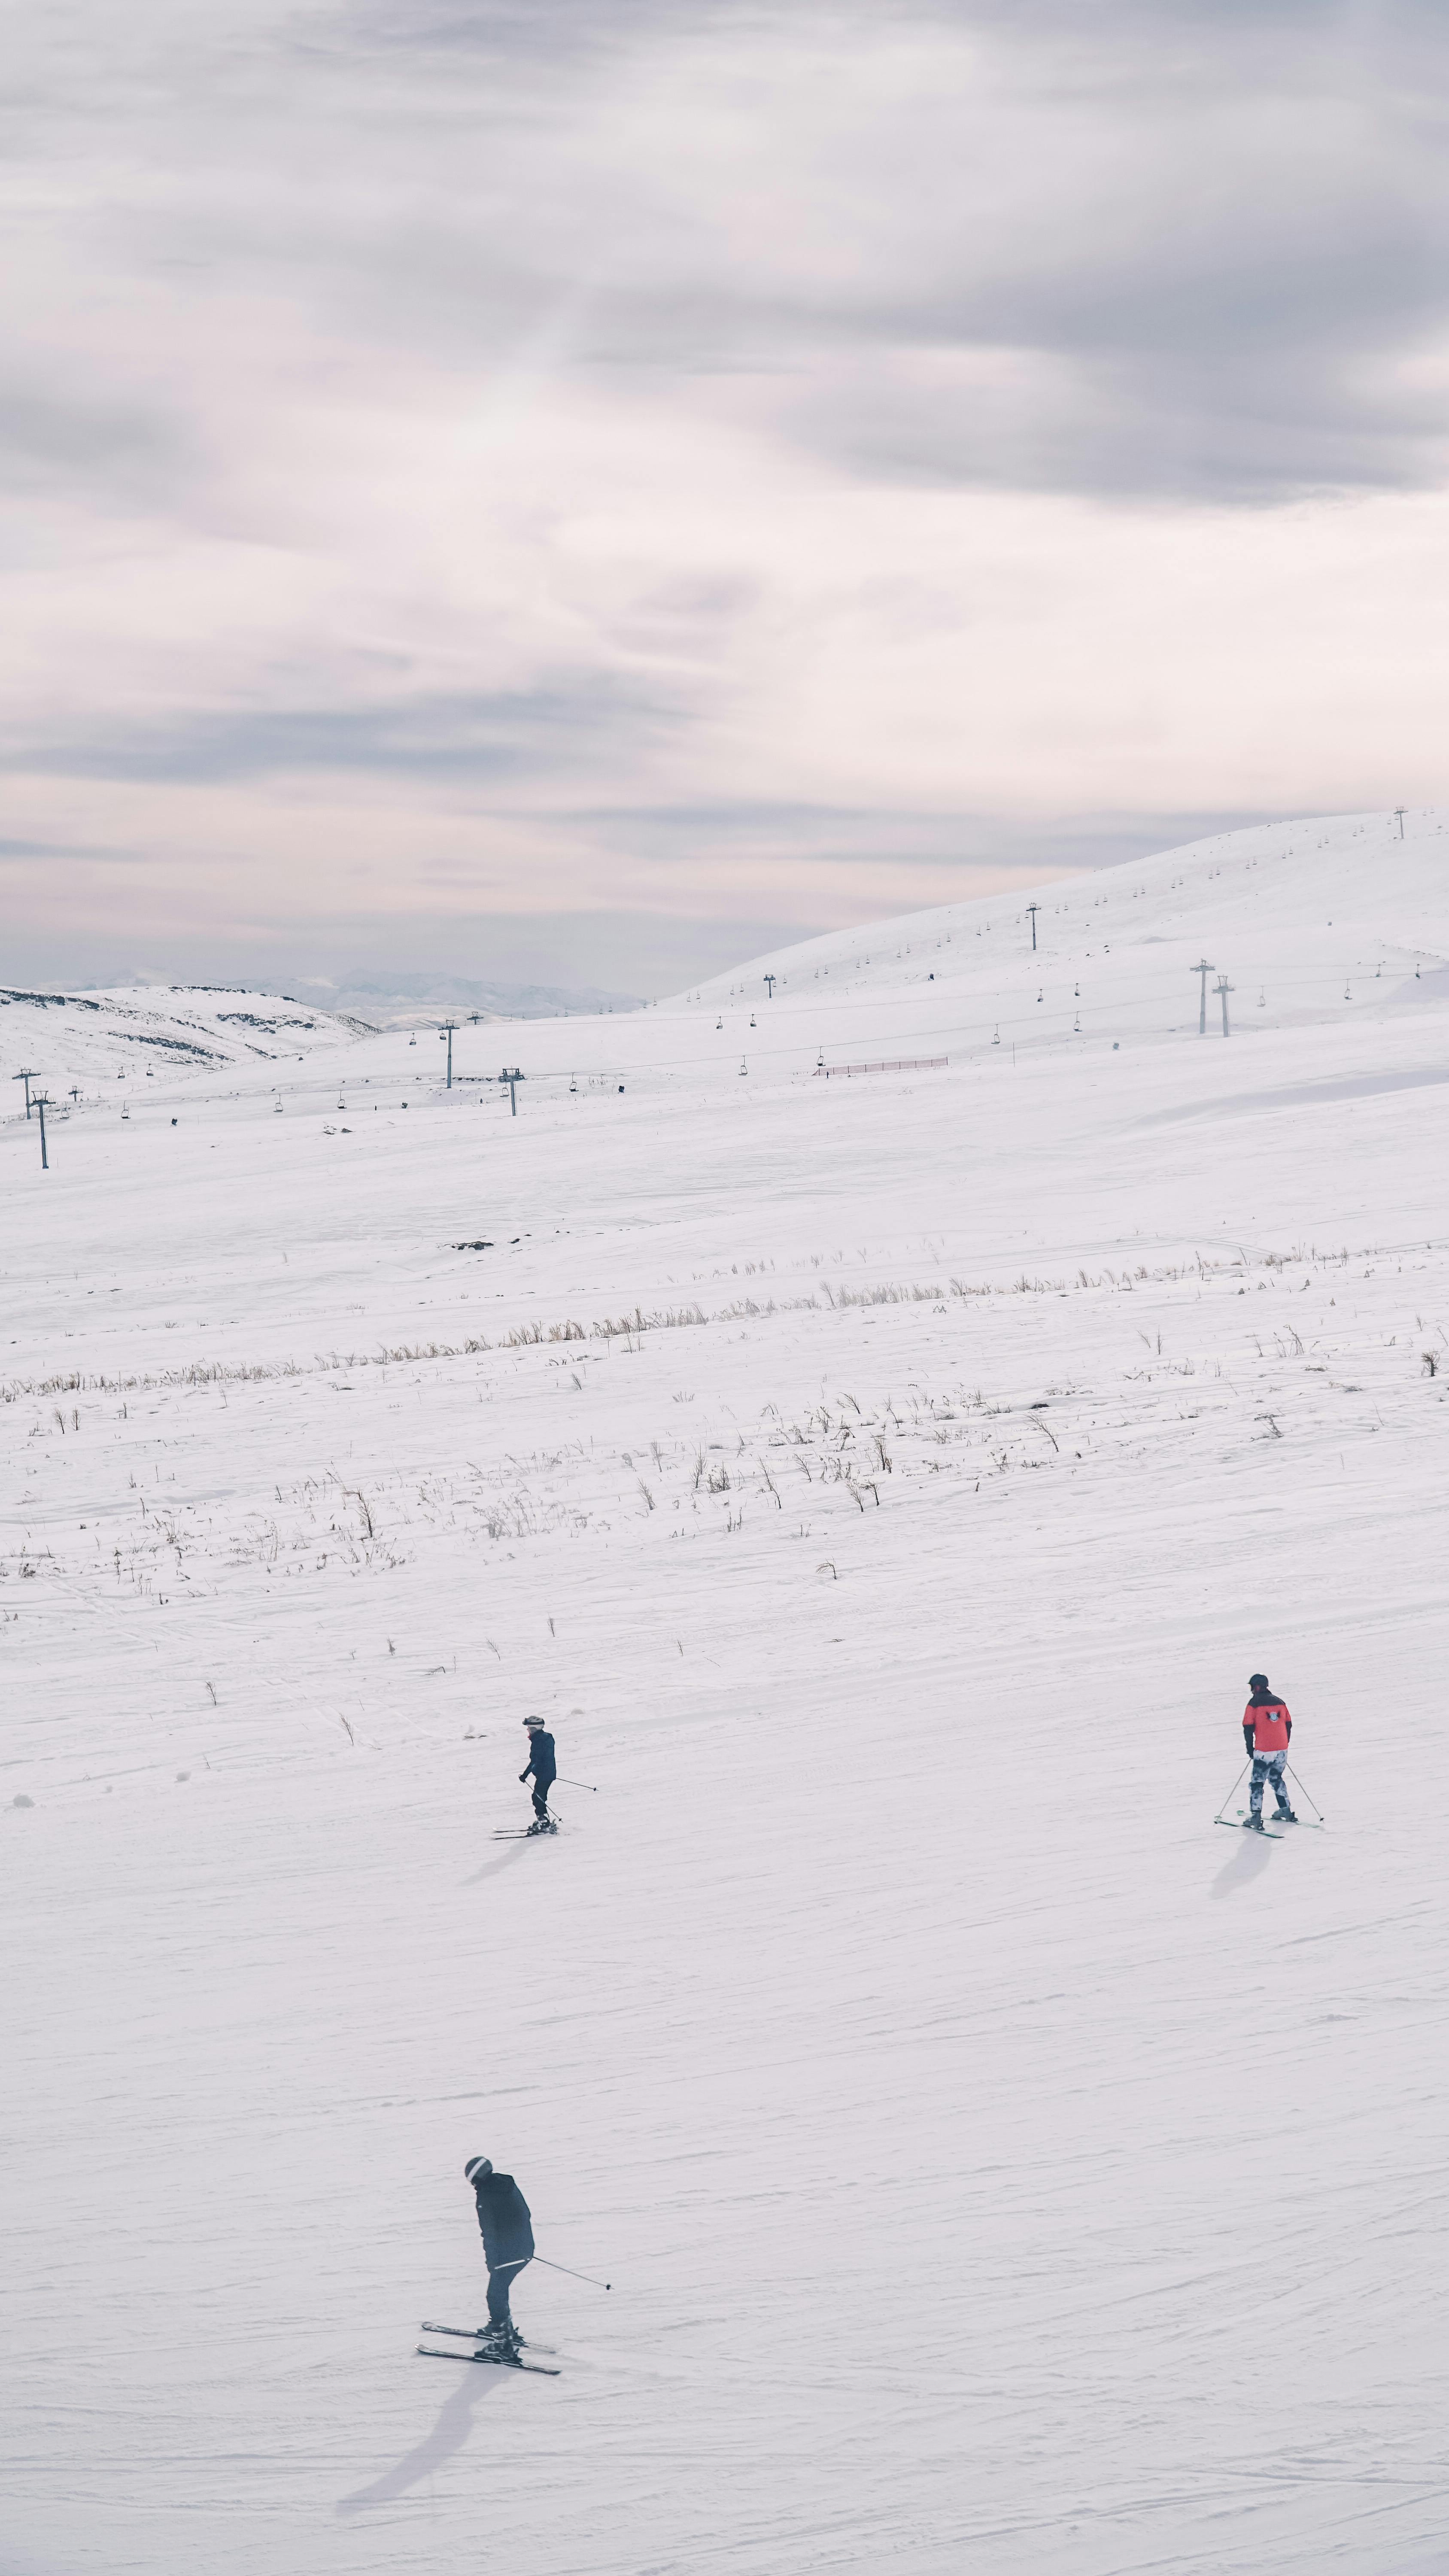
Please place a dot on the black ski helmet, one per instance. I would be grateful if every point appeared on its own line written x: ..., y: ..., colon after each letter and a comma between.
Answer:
x: 476, y: 2170
x: 1259, y: 1681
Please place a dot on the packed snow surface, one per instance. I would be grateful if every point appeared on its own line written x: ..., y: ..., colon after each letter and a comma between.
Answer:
x: 884, y: 1487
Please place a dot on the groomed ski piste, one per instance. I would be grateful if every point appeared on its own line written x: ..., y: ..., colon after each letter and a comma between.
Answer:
x: 882, y: 1487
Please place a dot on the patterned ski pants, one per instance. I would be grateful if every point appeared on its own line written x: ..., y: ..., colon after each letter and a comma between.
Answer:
x: 1266, y: 1767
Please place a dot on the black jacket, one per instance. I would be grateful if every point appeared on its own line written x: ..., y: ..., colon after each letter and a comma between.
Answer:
x: 541, y: 1760
x: 504, y: 2221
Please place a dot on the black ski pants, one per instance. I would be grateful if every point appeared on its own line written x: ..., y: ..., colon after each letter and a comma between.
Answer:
x: 541, y: 1789
x: 499, y: 2285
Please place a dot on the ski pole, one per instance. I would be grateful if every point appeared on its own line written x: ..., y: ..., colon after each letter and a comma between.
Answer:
x: 577, y: 1784
x: 573, y: 2276
x: 1242, y: 1775
x: 1308, y: 1794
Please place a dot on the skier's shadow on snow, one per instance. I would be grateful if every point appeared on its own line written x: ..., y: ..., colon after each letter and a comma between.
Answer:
x: 447, y: 2436
x: 1248, y: 1860
x: 491, y: 1868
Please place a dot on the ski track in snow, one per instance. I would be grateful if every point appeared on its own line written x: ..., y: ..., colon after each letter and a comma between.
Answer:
x: 884, y: 1488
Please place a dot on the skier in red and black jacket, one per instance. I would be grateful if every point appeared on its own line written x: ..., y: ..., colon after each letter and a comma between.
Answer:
x: 1267, y: 1733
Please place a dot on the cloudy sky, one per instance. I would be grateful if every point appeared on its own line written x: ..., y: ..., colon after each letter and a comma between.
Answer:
x: 581, y: 489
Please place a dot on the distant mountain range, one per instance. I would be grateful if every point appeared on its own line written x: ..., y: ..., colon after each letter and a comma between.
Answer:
x: 404, y: 998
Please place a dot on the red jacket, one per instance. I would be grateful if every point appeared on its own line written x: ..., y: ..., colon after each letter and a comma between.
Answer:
x: 1267, y: 1726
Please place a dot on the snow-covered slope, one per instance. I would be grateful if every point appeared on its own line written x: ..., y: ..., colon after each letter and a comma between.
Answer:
x: 1306, y: 916
x: 77, y: 1042
x: 884, y: 1487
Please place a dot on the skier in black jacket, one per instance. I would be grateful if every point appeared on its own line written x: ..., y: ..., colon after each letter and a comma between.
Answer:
x: 545, y: 1771
x: 507, y: 2233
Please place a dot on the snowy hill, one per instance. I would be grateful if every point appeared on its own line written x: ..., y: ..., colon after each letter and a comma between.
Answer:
x: 883, y: 1487
x: 86, y: 1039
x: 1300, y: 910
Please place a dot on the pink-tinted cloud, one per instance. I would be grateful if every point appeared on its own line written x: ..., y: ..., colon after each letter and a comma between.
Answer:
x: 694, y: 466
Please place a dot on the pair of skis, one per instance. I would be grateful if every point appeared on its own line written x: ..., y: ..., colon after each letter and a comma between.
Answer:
x: 1313, y: 1824
x: 500, y: 2360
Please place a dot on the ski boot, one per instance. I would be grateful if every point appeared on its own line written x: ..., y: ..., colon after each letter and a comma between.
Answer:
x: 538, y: 1826
x: 1253, y: 1825
x: 1286, y: 1816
